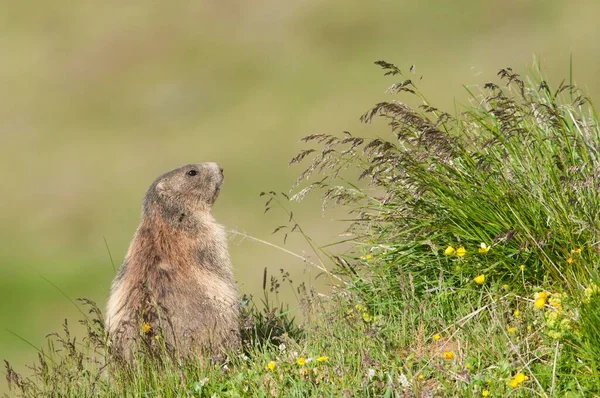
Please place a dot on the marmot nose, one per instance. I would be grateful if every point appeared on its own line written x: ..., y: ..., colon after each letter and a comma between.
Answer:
x: 214, y: 167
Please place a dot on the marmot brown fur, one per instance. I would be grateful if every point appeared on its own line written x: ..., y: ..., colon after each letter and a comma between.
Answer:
x: 176, y: 281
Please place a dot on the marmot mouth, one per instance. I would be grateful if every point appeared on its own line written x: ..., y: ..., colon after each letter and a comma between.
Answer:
x: 218, y: 183
x: 215, y: 194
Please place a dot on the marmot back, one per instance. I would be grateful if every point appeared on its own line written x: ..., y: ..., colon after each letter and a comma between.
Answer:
x: 177, y: 281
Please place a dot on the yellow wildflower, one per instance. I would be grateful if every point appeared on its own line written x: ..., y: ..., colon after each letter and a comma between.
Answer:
x: 436, y: 337
x: 461, y: 252
x: 483, y: 248
x: 540, y: 299
x: 146, y: 328
x: 449, y: 355
x: 516, y: 313
x: 271, y: 365
x: 485, y: 393
x: 512, y: 329
x: 449, y: 251
x: 421, y: 377
x: 323, y: 358
x: 570, y: 260
x: 368, y: 318
x: 540, y: 303
x: 576, y: 251
x: 480, y: 279
x: 543, y: 295
x: 522, y: 267
x: 518, y: 379
x: 301, y: 361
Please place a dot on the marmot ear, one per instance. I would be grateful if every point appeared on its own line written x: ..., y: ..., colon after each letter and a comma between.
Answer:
x: 160, y: 187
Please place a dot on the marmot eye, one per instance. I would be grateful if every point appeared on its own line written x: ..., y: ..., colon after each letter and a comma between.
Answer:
x: 192, y: 173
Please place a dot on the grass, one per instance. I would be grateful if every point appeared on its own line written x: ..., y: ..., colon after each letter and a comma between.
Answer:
x: 472, y: 268
x: 102, y: 99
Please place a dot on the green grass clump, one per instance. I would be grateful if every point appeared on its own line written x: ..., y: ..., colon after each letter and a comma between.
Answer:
x: 511, y: 178
x: 476, y: 217
x: 472, y: 269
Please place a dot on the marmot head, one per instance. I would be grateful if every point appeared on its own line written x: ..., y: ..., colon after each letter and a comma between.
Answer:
x: 184, y: 191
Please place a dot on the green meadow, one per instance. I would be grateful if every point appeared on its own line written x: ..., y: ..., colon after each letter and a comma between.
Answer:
x: 100, y: 98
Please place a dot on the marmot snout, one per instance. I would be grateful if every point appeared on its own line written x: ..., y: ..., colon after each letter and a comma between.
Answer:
x: 176, y: 279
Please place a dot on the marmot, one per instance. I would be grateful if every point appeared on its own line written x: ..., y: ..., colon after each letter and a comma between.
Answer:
x: 176, y: 281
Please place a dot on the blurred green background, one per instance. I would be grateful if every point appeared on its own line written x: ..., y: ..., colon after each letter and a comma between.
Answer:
x: 99, y: 98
